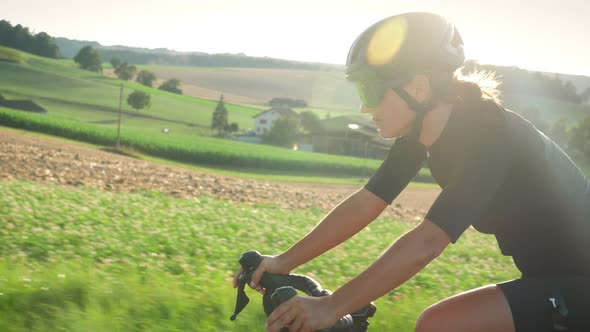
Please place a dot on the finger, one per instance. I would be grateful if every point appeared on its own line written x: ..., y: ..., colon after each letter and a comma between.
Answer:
x: 275, y: 315
x: 296, y: 325
x: 256, y: 276
x: 257, y: 288
x: 280, y: 322
x: 237, y: 276
x: 280, y: 317
x: 284, y: 321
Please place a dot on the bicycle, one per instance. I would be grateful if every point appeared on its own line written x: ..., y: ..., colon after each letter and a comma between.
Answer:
x: 280, y: 288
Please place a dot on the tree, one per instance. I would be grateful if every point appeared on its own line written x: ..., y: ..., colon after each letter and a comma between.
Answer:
x: 115, y: 62
x: 585, y: 95
x: 559, y: 133
x: 580, y: 139
x: 44, y: 46
x: 283, y: 132
x: 89, y: 59
x: 125, y: 71
x: 138, y: 100
x: 171, y: 85
x: 219, y: 119
x: 232, y: 127
x: 310, y: 121
x: 146, y: 78
x: 536, y: 118
x: 21, y: 38
x: 287, y: 102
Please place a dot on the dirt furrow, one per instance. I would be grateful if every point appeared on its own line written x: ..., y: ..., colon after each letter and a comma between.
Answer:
x: 54, y: 161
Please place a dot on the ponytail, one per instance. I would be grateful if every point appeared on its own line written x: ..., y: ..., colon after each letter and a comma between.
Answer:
x: 474, y: 87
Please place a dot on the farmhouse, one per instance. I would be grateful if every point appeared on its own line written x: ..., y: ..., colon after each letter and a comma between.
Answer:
x: 350, y: 135
x: 265, y: 120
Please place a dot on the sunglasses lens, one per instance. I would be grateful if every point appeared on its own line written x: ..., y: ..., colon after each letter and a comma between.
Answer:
x: 370, y: 94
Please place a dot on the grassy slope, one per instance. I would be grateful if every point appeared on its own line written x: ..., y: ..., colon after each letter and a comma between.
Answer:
x: 67, y: 91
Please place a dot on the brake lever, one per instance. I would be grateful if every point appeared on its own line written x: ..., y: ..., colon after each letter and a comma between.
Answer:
x: 249, y: 262
x: 242, y: 299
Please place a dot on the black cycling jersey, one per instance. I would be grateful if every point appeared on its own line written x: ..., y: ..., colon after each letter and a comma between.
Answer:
x: 504, y: 177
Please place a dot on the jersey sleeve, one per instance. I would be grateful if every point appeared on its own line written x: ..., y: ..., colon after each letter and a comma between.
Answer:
x: 403, y: 162
x: 476, y: 178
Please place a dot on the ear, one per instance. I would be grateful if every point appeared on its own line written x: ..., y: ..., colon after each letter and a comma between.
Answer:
x: 419, y: 88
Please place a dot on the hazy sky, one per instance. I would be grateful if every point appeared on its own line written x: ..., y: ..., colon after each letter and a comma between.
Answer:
x: 532, y: 34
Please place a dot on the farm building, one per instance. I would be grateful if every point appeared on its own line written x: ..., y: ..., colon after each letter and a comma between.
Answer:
x: 350, y: 135
x: 265, y: 120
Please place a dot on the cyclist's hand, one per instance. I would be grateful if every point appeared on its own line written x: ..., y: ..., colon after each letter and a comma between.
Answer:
x: 269, y: 264
x: 303, y: 314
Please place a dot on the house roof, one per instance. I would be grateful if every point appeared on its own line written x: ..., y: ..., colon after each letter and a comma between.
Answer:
x: 281, y: 110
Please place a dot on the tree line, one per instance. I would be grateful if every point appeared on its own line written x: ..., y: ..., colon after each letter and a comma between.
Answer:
x: 161, y: 56
x: 572, y: 137
x: 88, y: 58
x: 20, y: 38
x: 520, y: 81
x: 199, y: 59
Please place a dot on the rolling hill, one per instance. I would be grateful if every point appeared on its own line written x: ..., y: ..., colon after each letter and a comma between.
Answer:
x: 69, y: 92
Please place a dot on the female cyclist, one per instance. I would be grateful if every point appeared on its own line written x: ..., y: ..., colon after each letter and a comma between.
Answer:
x: 498, y: 173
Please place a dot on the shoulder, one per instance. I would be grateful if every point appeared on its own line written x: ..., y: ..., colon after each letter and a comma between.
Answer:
x: 481, y: 111
x: 480, y: 119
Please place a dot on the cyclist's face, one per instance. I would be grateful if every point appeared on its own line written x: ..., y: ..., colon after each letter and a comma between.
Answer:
x: 392, y: 116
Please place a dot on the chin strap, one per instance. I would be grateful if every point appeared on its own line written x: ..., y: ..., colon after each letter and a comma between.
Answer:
x: 419, y: 109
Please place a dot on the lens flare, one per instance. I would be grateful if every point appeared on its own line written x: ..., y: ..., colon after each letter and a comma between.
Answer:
x: 386, y: 41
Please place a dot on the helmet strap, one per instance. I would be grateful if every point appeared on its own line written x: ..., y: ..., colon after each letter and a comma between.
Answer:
x: 418, y: 108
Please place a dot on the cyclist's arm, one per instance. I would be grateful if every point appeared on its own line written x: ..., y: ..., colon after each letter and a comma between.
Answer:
x: 404, y: 160
x: 347, y: 219
x: 406, y: 257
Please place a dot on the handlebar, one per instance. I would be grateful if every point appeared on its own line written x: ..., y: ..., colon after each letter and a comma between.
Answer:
x: 280, y: 288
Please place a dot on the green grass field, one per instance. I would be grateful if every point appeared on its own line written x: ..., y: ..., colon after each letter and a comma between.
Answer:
x: 86, y: 260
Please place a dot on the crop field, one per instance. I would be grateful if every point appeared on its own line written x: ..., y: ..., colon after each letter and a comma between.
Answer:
x: 199, y: 150
x: 82, y: 259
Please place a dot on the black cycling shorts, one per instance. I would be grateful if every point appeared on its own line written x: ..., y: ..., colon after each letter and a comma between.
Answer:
x: 533, y: 301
